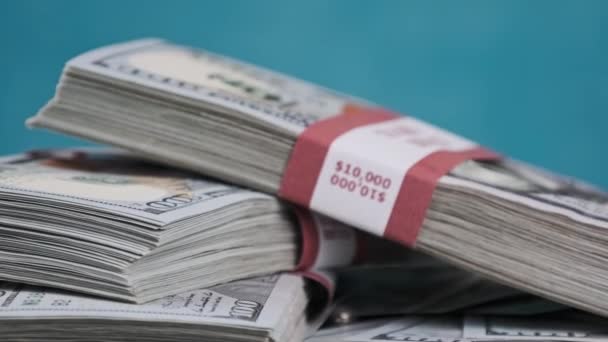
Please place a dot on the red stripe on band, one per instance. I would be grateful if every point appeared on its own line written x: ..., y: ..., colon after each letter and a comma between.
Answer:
x: 417, y: 190
x: 310, y: 239
x: 307, y: 157
x: 415, y: 194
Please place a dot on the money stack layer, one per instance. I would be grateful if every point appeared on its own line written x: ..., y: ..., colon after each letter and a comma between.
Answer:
x: 271, y: 308
x: 107, y: 224
x: 211, y: 114
x: 562, y: 327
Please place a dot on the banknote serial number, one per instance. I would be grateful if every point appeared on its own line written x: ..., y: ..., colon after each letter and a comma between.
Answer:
x: 367, y: 184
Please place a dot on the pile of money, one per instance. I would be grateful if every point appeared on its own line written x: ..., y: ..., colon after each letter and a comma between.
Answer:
x: 192, y: 109
x: 240, y: 204
x: 110, y: 225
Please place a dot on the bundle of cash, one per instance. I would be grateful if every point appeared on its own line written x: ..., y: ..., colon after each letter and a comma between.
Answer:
x: 103, y: 222
x: 107, y: 224
x: 270, y: 308
x: 572, y: 326
x: 393, y: 176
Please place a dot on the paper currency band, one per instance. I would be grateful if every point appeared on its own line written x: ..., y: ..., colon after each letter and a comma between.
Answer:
x: 310, y: 239
x: 414, y: 196
x: 326, y: 245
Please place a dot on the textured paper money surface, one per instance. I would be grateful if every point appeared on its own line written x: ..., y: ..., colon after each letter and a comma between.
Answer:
x: 455, y: 328
x: 116, y: 183
x: 217, y: 80
x: 253, y: 302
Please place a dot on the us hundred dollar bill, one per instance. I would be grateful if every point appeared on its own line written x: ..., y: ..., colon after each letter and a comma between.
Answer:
x: 270, y: 308
x: 108, y: 224
x: 113, y: 181
x: 572, y: 327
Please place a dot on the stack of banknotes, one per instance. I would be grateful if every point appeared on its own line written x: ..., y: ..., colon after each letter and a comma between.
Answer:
x: 234, y: 203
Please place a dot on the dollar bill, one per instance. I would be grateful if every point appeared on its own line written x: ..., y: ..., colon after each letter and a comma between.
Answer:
x: 564, y: 327
x: 536, y: 188
x: 108, y: 224
x: 269, y: 308
x: 573, y: 326
x: 114, y: 182
x: 269, y: 96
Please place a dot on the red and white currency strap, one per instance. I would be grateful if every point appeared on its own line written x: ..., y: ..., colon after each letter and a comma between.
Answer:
x: 326, y: 244
x: 373, y: 169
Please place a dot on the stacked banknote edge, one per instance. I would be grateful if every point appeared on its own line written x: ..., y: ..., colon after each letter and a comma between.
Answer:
x: 423, y: 299
x: 572, y: 326
x: 505, y: 220
x: 107, y: 224
x: 269, y: 308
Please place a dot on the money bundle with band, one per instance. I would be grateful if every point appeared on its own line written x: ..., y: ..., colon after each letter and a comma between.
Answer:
x: 270, y: 308
x: 390, y: 175
x: 105, y: 223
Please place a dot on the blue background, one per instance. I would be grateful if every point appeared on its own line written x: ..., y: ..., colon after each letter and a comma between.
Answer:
x: 527, y: 78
